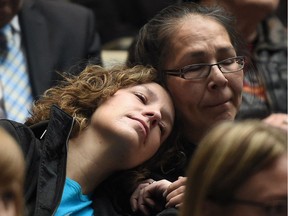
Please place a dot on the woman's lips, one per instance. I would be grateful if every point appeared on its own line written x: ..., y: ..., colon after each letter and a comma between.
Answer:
x: 143, y: 124
x: 218, y: 103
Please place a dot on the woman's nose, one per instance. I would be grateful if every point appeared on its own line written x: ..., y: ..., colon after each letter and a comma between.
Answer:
x: 216, y: 79
x: 153, y: 117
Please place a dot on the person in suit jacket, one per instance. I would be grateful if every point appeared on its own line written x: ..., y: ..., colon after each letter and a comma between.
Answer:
x: 119, y: 19
x: 54, y: 36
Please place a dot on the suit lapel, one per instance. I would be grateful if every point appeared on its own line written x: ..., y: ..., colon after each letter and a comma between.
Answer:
x: 36, y: 41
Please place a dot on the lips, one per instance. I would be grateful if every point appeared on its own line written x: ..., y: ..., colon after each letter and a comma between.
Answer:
x: 219, y: 99
x: 218, y: 103
x: 143, y: 123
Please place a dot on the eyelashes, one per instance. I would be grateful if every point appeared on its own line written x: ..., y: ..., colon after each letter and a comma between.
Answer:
x: 141, y: 97
x: 144, y: 100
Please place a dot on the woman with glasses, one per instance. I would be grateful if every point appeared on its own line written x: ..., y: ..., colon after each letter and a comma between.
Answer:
x: 266, y: 38
x: 201, y: 60
x: 239, y: 169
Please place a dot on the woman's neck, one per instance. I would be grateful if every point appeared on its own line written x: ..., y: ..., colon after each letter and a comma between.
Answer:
x: 88, y: 161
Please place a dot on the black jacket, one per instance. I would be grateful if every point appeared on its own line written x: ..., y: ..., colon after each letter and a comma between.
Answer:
x: 45, y: 149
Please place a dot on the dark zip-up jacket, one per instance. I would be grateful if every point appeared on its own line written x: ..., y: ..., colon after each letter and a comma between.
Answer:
x: 45, y: 149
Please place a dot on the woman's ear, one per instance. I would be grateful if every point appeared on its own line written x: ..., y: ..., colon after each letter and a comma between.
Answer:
x: 212, y: 209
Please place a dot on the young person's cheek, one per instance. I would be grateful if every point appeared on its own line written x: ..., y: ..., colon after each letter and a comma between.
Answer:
x: 154, y: 141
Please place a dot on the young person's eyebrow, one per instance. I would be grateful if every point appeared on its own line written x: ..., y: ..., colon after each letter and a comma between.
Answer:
x: 147, y: 90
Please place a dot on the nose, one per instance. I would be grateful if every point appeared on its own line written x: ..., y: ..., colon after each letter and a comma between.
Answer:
x: 216, y: 78
x: 153, y: 117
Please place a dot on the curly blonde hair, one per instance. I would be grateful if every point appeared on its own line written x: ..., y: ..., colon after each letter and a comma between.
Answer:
x: 79, y: 96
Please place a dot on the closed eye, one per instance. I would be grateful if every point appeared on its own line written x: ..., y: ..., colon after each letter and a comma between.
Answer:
x: 141, y: 97
x: 228, y: 61
x: 192, y: 68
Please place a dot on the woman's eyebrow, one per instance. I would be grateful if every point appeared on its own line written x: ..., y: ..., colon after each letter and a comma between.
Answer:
x: 219, y: 50
x: 196, y: 54
x: 147, y: 90
x: 225, y: 49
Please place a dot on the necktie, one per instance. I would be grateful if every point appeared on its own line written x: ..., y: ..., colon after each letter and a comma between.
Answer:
x: 17, y: 91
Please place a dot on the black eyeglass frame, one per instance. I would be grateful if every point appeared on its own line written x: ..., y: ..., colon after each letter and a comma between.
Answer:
x: 269, y: 209
x: 181, y: 72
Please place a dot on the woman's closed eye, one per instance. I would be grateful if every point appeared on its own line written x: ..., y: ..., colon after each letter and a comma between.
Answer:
x: 141, y: 97
x: 227, y: 61
x: 195, y: 68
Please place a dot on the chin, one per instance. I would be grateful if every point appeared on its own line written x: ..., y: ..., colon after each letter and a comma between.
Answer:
x: 227, y: 116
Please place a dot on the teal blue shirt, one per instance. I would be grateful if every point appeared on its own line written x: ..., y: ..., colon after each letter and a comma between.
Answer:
x: 73, y: 202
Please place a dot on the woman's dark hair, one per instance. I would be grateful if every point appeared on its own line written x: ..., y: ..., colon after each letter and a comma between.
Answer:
x: 153, y: 42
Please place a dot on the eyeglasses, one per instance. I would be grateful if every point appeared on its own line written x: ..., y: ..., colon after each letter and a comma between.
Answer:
x: 273, y: 208
x: 200, y: 71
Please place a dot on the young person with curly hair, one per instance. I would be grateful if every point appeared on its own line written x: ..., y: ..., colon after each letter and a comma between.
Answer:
x: 86, y: 129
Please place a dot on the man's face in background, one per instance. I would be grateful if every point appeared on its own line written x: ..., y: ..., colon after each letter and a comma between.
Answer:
x: 8, y: 9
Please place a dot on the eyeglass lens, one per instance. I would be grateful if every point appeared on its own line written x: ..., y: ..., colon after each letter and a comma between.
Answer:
x: 199, y: 71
